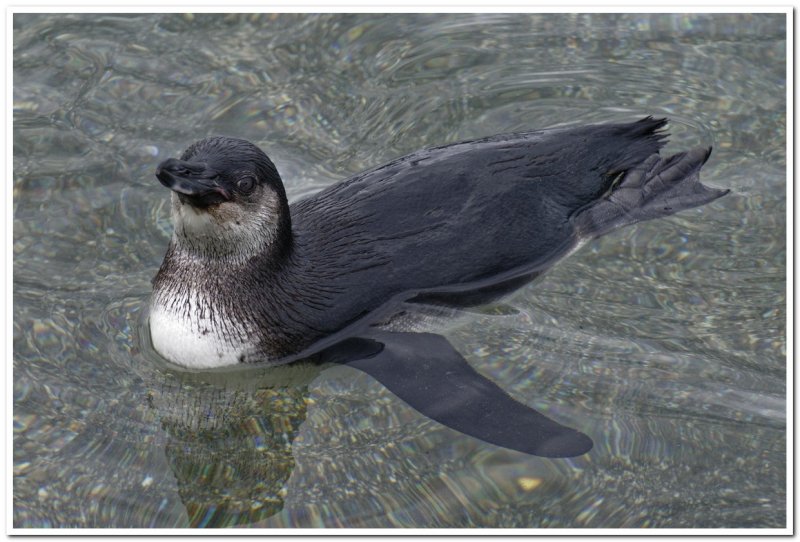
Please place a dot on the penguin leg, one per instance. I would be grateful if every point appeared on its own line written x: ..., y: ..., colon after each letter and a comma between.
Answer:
x: 655, y: 188
x: 425, y: 371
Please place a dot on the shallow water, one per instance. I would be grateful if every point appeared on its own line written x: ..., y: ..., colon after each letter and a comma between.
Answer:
x: 665, y: 342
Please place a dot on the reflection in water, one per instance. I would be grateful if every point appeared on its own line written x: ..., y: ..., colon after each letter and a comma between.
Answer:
x: 230, y: 450
x: 229, y: 435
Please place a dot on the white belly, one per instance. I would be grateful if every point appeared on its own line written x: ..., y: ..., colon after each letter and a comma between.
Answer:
x: 193, y: 342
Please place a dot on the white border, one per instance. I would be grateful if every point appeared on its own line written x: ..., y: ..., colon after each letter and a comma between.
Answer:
x: 8, y: 409
x: 790, y: 226
x: 367, y: 6
x: 409, y: 6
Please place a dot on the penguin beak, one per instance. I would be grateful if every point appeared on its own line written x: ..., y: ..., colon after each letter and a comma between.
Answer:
x: 194, y: 182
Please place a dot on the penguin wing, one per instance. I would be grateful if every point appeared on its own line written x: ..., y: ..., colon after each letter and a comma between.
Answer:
x: 425, y: 371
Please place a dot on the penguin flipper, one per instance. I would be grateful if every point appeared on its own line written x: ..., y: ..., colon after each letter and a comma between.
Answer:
x: 425, y: 371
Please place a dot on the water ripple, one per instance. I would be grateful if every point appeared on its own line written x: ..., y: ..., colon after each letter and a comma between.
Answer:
x: 665, y: 342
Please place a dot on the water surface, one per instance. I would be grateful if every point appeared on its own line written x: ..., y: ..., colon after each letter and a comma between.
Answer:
x: 665, y: 342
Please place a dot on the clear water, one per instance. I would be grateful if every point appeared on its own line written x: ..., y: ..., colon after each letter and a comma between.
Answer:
x: 664, y: 342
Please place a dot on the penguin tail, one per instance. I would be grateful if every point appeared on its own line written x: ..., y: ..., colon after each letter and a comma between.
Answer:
x: 655, y: 188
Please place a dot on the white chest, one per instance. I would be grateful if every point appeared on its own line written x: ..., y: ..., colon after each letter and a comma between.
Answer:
x: 191, y: 339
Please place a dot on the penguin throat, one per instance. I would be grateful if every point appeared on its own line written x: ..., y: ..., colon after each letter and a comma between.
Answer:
x: 226, y: 232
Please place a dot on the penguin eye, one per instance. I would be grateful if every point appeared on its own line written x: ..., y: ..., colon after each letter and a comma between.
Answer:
x: 246, y: 184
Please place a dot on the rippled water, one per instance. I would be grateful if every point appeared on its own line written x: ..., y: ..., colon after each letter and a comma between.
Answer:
x: 664, y: 342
